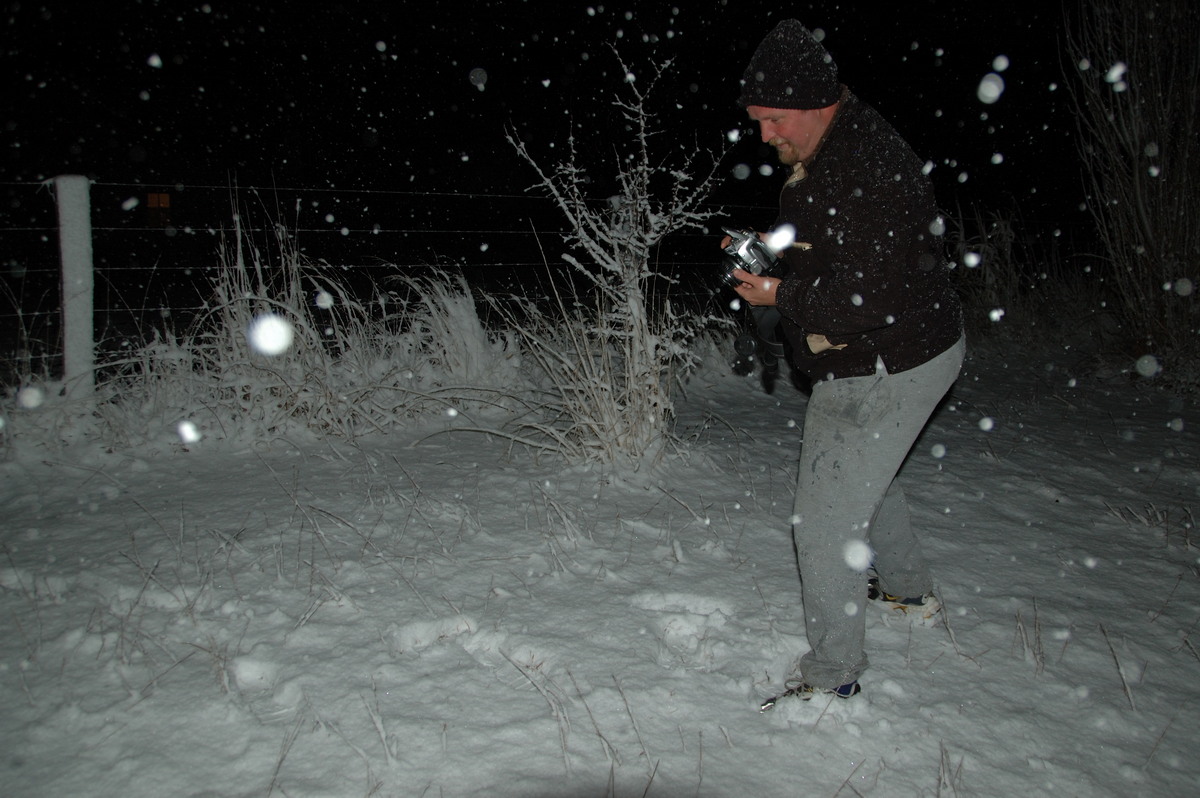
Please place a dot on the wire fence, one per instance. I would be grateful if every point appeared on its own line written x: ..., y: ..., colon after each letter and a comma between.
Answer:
x: 155, y: 248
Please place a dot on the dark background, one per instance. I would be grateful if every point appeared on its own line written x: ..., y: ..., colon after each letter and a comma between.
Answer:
x: 378, y: 95
x: 359, y: 126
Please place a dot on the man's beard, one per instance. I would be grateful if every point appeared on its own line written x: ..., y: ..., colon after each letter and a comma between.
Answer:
x: 786, y: 152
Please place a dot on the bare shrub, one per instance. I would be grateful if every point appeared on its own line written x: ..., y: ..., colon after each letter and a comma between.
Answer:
x: 1016, y: 287
x: 1137, y: 76
x: 614, y: 351
x: 988, y: 272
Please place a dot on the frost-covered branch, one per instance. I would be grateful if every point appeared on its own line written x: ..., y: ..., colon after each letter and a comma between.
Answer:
x: 619, y: 385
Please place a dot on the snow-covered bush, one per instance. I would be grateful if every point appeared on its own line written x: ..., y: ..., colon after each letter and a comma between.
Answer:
x: 610, y: 340
x: 284, y: 348
x: 352, y: 366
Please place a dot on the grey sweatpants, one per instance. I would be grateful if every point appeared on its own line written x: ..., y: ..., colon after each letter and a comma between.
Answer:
x: 857, y: 433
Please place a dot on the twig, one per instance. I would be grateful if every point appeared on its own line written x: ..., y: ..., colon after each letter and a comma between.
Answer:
x: 636, y: 730
x: 1159, y: 740
x: 333, y: 727
x: 94, y: 471
x: 605, y: 745
x: 847, y: 779
x: 654, y: 772
x: 945, y: 777
x: 316, y: 604
x: 828, y: 704
x: 1120, y: 670
x: 702, y: 519
x: 284, y: 748
x: 1170, y: 595
x: 1066, y: 642
x: 367, y: 542
x: 556, y: 708
x: 377, y: 722
x: 1039, y: 651
x: 1192, y: 649
x: 1032, y: 647
x: 145, y: 691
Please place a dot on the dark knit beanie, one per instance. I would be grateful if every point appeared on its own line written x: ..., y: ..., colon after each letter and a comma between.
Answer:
x: 790, y: 69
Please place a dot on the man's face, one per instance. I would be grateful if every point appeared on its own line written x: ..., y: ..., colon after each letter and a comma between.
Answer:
x: 794, y: 133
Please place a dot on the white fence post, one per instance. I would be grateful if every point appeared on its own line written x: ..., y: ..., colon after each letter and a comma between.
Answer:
x: 75, y: 245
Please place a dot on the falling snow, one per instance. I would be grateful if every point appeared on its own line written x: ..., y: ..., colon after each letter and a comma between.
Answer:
x: 990, y: 88
x: 270, y: 334
x: 441, y: 613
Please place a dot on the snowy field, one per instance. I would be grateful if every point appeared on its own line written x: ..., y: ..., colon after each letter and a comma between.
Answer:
x: 448, y: 616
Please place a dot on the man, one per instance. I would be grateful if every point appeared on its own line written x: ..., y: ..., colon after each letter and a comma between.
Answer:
x: 873, y: 320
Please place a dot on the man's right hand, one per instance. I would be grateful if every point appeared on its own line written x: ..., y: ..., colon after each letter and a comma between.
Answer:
x: 756, y: 289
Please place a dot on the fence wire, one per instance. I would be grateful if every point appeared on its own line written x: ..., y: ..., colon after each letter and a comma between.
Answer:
x: 156, y: 247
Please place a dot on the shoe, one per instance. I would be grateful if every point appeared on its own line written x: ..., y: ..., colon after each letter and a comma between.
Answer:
x: 806, y: 692
x: 923, y: 608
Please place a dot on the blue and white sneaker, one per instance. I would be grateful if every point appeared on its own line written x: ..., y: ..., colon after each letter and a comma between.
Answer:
x: 806, y: 692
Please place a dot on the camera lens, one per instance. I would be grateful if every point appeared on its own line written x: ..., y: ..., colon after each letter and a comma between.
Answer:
x: 745, y: 344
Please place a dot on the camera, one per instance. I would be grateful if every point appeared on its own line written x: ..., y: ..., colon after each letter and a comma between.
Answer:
x: 748, y: 253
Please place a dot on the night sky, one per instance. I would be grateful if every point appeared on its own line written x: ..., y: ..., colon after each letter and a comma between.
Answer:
x: 379, y: 94
x: 360, y: 127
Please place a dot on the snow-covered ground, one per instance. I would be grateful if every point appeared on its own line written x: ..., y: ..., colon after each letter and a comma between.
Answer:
x: 447, y: 616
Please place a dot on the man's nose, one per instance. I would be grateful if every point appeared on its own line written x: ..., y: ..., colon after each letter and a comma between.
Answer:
x: 767, y: 133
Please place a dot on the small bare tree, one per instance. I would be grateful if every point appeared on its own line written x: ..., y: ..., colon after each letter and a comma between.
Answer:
x: 614, y: 361
x: 1137, y: 65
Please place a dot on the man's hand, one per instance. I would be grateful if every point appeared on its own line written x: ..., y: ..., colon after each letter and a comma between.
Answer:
x: 755, y: 289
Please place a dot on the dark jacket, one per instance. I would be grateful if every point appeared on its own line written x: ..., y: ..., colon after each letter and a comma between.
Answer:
x: 876, y: 278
